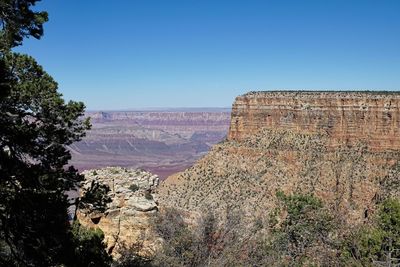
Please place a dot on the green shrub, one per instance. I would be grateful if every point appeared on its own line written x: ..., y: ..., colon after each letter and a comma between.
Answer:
x: 89, y: 247
x: 306, y: 226
x: 114, y: 171
x: 96, y: 196
x: 148, y: 195
x: 134, y: 187
x: 376, y: 244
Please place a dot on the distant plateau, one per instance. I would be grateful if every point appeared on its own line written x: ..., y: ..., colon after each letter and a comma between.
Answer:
x: 162, y: 141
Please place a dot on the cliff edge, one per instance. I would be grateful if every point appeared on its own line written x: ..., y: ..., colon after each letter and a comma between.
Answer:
x: 343, y: 147
x: 346, y: 117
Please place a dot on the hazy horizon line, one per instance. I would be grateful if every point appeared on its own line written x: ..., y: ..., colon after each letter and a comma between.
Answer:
x: 158, y: 109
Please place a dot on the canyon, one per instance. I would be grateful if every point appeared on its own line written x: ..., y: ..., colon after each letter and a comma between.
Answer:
x: 341, y: 147
x: 162, y: 141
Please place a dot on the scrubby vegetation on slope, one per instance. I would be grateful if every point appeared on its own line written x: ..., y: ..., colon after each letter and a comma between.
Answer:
x: 340, y: 187
x: 300, y: 231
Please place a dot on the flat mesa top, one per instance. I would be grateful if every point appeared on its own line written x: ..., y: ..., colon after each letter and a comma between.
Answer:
x: 340, y: 94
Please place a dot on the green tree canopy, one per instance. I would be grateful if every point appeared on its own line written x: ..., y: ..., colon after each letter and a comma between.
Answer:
x: 18, y: 20
x: 306, y: 226
x: 36, y: 126
x: 377, y: 244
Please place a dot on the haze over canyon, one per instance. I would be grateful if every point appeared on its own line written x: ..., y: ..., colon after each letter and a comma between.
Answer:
x: 163, y: 141
x: 107, y: 160
x: 340, y: 148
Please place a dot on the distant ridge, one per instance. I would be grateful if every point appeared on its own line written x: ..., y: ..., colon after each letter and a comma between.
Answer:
x: 178, y: 109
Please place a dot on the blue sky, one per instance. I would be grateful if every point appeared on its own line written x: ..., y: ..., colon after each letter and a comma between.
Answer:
x: 203, y: 53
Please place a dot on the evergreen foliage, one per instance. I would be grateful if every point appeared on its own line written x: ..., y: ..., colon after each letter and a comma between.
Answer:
x: 89, y: 249
x: 36, y: 125
x: 134, y: 187
x: 95, y: 198
x: 306, y: 224
x: 377, y: 244
x: 18, y: 20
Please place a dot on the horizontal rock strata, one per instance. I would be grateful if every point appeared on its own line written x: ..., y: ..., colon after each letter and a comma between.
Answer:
x: 347, y: 117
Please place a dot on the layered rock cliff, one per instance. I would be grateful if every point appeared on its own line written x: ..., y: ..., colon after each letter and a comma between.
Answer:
x: 347, y: 117
x: 342, y: 147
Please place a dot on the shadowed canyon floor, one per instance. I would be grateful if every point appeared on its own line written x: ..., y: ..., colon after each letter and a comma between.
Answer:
x: 161, y: 141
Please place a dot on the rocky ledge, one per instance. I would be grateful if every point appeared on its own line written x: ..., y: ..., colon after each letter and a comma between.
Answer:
x: 126, y: 219
x: 347, y: 117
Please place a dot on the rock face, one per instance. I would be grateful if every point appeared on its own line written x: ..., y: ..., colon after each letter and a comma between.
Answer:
x: 126, y: 220
x: 342, y: 147
x: 246, y: 175
x: 347, y: 117
x: 163, y: 141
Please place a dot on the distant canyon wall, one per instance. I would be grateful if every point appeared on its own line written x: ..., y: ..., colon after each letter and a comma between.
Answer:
x: 161, y: 141
x: 182, y: 122
x: 347, y: 117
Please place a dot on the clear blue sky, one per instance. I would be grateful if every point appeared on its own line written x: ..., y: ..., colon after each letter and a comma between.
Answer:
x: 203, y: 53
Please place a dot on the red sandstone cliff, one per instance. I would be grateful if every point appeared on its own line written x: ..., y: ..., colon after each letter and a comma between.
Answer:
x: 346, y: 117
x: 307, y: 142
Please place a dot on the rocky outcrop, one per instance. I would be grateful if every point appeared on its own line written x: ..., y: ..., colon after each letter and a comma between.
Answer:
x: 347, y: 117
x: 126, y: 220
x: 343, y: 147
